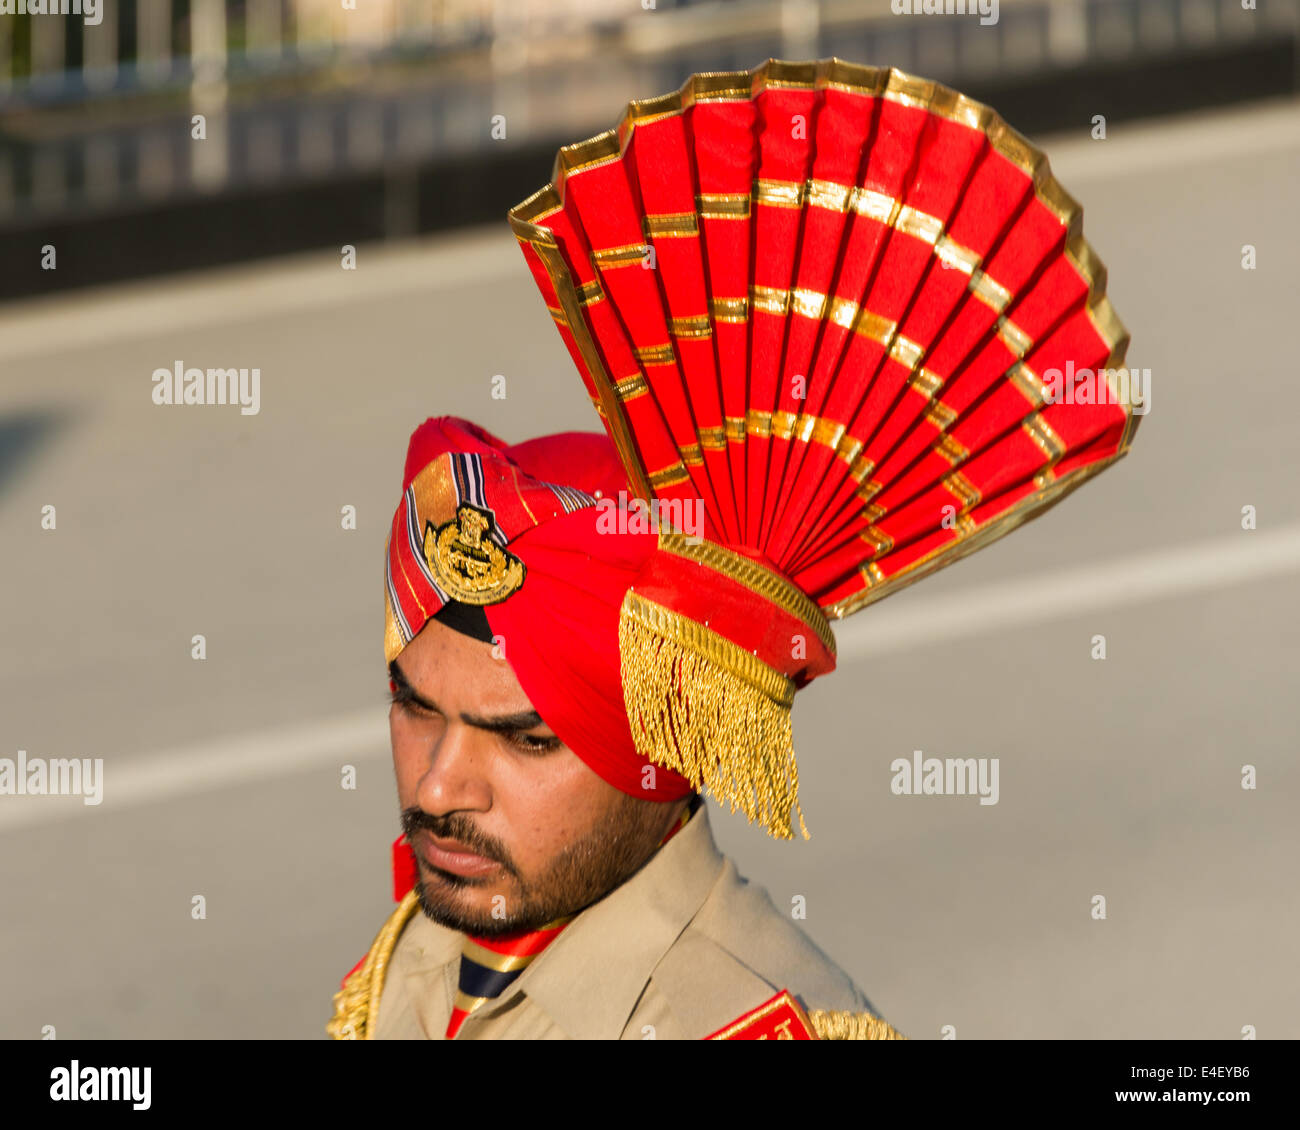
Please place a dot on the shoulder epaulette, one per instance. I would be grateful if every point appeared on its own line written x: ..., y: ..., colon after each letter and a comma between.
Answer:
x: 356, y: 1004
x: 783, y: 1018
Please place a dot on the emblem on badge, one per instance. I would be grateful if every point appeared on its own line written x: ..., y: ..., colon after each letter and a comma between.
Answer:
x: 469, y: 567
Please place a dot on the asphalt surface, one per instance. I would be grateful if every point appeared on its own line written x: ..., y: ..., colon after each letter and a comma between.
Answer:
x: 1119, y: 778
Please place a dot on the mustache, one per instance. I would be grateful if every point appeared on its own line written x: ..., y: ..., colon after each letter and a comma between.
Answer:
x: 456, y: 826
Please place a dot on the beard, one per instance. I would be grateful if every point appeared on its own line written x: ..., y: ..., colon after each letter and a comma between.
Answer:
x: 586, y: 870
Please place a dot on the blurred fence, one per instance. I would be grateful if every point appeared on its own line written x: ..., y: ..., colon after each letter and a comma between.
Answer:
x: 72, y: 49
x: 137, y: 104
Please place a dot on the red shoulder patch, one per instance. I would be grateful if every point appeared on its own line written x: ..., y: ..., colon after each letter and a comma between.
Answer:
x: 780, y: 1018
x: 405, y: 870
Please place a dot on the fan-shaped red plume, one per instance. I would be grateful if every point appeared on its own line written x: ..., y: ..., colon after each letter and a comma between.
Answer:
x: 837, y: 303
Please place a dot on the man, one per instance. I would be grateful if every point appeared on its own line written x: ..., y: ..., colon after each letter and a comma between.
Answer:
x: 515, y: 847
x: 824, y: 304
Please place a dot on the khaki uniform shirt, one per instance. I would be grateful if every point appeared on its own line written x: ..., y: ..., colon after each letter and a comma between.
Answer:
x: 681, y: 949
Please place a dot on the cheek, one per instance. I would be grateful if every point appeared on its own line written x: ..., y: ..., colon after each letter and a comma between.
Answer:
x: 548, y: 803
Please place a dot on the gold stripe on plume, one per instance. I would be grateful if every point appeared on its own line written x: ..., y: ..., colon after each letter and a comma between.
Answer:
x: 730, y: 733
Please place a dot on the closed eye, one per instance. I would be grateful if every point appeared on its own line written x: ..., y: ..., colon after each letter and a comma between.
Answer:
x: 534, y: 743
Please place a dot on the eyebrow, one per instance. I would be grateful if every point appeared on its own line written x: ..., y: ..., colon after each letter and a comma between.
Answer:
x: 500, y: 724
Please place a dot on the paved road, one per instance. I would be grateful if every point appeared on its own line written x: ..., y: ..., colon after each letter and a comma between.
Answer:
x: 1119, y: 778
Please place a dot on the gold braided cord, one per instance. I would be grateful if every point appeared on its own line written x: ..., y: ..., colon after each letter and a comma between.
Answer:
x: 706, y: 708
x: 771, y: 586
x: 356, y: 1005
x: 834, y: 1025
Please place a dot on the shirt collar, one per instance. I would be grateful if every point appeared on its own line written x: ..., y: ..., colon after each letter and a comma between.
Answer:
x: 589, y: 979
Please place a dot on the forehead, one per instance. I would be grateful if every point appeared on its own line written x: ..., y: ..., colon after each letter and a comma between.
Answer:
x: 460, y: 673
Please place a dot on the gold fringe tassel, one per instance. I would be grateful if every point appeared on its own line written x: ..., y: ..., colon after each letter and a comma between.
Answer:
x: 706, y: 708
x: 851, y: 1026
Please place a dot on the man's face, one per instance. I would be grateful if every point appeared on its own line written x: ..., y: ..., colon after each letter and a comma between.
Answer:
x: 510, y: 827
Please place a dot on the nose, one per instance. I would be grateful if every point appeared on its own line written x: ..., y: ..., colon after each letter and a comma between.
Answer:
x: 453, y: 762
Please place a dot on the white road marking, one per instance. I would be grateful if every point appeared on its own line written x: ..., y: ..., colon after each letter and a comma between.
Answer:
x: 237, y: 760
x: 1246, y: 556
x: 1169, y: 143
x: 362, y: 735
x: 315, y: 281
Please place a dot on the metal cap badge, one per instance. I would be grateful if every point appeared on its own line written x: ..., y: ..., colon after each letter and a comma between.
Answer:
x: 468, y: 566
